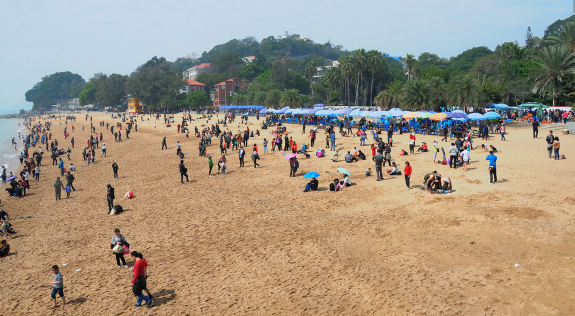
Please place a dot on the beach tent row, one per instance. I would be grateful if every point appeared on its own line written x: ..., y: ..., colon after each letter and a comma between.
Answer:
x: 245, y: 107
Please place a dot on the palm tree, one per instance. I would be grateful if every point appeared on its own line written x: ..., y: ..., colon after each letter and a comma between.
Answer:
x: 290, y: 98
x: 565, y: 36
x: 438, y: 89
x: 346, y: 64
x: 310, y: 70
x: 374, y: 60
x: 556, y: 62
x: 360, y: 59
x: 390, y: 97
x: 273, y: 98
x: 419, y: 94
x: 410, y: 61
x: 259, y: 98
x: 465, y: 91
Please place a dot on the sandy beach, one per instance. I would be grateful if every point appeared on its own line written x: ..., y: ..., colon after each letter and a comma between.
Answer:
x: 252, y: 242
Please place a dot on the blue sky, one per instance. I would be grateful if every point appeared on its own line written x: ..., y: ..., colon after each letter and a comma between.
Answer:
x: 39, y: 38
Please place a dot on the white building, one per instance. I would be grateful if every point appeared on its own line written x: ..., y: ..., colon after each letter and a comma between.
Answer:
x: 193, y: 72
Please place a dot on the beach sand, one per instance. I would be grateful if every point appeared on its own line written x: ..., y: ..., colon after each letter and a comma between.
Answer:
x: 251, y: 242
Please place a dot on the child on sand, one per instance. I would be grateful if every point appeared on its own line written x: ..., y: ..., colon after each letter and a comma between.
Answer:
x: 68, y: 189
x: 58, y: 284
x: 211, y: 165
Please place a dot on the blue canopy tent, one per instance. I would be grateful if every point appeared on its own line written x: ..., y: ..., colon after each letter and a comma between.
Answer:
x: 282, y: 111
x: 491, y: 106
x: 319, y: 105
x: 476, y: 117
x: 454, y: 115
x: 324, y: 113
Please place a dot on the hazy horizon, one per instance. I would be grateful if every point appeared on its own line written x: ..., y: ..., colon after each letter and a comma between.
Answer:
x: 42, y: 38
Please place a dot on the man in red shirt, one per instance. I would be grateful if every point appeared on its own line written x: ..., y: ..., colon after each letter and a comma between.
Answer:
x: 139, y: 280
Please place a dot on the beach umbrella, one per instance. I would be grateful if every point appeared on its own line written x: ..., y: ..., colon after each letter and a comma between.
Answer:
x: 410, y: 115
x: 454, y: 114
x: 318, y: 105
x: 491, y: 106
x: 355, y: 113
x: 457, y: 111
x: 424, y: 115
x: 11, y: 178
x: 502, y: 106
x: 531, y: 105
x: 263, y: 111
x: 492, y: 116
x: 344, y: 171
x: 394, y: 109
x: 290, y: 156
x: 311, y: 175
x: 476, y: 116
x: 438, y: 116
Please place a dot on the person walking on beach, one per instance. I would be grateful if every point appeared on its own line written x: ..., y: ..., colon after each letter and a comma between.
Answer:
x: 332, y: 140
x: 407, y: 172
x: 103, y: 150
x: 556, y: 146
x: 70, y: 180
x: 110, y: 197
x: 115, y: 169
x: 183, y: 172
x: 492, y: 167
x: 164, y: 144
x: 242, y: 154
x: 61, y: 167
x: 139, y: 281
x: 550, y: 139
x: 453, y: 152
x: 119, y: 239
x: 58, y: 286
x: 293, y: 163
x: 210, y: 165
x: 378, y: 159
x: 502, y: 131
x: 58, y: 186
x: 255, y: 158
x: 72, y: 141
x: 535, y: 126
x: 37, y: 173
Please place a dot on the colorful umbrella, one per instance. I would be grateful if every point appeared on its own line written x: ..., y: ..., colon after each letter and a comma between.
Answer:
x: 10, y: 178
x: 290, y: 156
x: 410, y: 115
x: 456, y: 115
x: 424, y: 115
x: 344, y: 171
x: 311, y: 175
x: 438, y: 116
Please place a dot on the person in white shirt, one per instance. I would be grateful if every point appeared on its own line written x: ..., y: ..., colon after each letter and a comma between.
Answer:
x: 465, y: 156
x: 394, y: 170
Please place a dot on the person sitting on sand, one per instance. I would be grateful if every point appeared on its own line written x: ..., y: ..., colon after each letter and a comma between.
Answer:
x: 368, y: 172
x: 361, y: 155
x: 320, y: 153
x: 394, y: 171
x: 494, y: 149
x: 312, y: 185
x: 345, y: 180
x: 5, y: 249
x: 349, y: 158
x: 423, y: 147
x: 335, y: 155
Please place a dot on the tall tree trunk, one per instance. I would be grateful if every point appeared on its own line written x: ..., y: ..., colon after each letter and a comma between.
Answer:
x: 371, y: 91
x: 357, y: 90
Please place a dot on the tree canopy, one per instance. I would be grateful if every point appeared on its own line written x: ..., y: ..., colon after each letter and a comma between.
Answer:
x: 55, y: 88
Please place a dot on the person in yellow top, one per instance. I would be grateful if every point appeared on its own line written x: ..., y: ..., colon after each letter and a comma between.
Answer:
x: 556, y: 146
x: 435, y: 149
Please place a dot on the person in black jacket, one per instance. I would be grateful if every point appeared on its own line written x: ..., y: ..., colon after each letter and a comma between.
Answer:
x: 164, y: 143
x: 115, y: 169
x: 110, y: 197
x: 183, y: 172
x: 70, y: 180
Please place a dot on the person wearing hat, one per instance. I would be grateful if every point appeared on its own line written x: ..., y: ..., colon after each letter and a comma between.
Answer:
x: 58, y: 186
x: 435, y: 149
x: 110, y: 197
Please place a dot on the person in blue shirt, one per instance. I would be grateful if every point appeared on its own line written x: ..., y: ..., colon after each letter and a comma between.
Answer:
x: 492, y: 167
x: 332, y: 140
x: 61, y: 166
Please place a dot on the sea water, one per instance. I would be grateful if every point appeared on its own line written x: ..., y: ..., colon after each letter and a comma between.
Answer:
x: 10, y: 128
